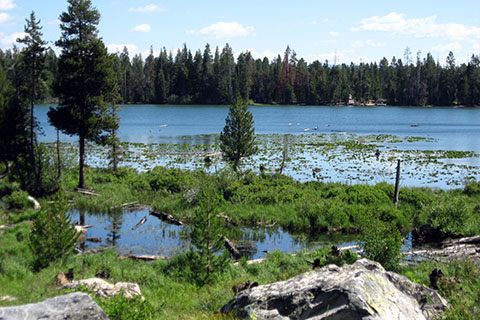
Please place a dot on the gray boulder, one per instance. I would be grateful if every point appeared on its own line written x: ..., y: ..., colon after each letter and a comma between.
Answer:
x: 363, y: 290
x: 73, y: 306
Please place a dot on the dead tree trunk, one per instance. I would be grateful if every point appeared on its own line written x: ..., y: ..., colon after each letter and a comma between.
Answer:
x: 397, y: 184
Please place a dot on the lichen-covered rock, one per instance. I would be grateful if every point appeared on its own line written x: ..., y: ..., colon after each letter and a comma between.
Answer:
x: 71, y: 306
x: 106, y: 290
x: 363, y: 290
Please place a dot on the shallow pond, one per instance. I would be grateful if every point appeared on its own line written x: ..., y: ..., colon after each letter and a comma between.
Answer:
x: 156, y: 237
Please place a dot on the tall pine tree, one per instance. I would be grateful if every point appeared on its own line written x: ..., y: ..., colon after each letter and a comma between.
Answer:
x: 31, y: 71
x: 85, y: 80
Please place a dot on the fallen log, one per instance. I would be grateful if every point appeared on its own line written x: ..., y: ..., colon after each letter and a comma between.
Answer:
x: 7, y: 226
x: 88, y: 192
x: 95, y: 240
x: 140, y: 223
x: 466, y: 240
x: 142, y: 257
x: 249, y: 262
x: 36, y: 204
x: 129, y: 204
x: 166, y: 217
x: 232, y: 249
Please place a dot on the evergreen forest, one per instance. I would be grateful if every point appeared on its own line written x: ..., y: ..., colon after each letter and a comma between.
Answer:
x: 214, y: 76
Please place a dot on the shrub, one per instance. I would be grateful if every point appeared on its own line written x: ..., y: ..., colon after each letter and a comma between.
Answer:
x: 448, y: 216
x: 17, y: 200
x: 120, y: 308
x: 52, y: 236
x: 381, y: 242
x: 472, y: 188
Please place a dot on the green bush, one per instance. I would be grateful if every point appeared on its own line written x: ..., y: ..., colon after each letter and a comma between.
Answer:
x: 52, y: 236
x: 169, y: 179
x: 449, y: 216
x: 18, y: 200
x: 120, y: 308
x: 326, y: 257
x: 381, y: 242
x: 472, y: 188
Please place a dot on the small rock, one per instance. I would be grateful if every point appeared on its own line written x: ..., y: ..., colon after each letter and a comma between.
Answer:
x: 104, y: 289
x: 75, y: 305
x: 7, y: 298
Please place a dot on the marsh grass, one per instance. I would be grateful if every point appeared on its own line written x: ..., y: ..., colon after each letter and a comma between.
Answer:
x: 460, y: 285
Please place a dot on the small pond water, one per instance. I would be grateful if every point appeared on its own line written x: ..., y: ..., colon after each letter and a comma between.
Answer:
x: 156, y: 237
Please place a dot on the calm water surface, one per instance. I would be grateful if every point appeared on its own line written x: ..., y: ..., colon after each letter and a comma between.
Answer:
x: 453, y: 128
x: 159, y: 238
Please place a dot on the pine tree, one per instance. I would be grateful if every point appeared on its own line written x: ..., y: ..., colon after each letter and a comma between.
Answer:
x: 52, y: 236
x: 85, y: 79
x: 31, y: 71
x: 238, y: 137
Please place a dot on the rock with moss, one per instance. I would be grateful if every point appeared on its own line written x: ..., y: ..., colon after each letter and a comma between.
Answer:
x: 71, y: 306
x: 363, y: 290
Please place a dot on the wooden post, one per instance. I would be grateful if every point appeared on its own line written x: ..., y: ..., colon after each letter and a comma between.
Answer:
x: 397, y: 184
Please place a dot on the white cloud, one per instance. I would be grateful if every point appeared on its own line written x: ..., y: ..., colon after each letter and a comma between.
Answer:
x: 453, y: 46
x: 397, y: 23
x: 4, y: 17
x: 142, y: 28
x: 114, y: 48
x: 148, y: 8
x: 334, y: 33
x: 223, y: 30
x: 7, y: 41
x: 314, y: 22
x: 326, y: 20
x: 56, y: 21
x: 7, y: 4
x: 368, y: 43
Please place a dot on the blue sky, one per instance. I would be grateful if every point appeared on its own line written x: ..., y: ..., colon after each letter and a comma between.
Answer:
x: 350, y: 30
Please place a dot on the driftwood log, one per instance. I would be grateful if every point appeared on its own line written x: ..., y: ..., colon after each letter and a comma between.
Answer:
x: 142, y: 257
x: 140, y: 223
x: 232, y: 249
x: 166, y: 217
x: 89, y: 192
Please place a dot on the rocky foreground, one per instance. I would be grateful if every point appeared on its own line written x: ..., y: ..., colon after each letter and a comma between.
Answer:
x: 363, y: 290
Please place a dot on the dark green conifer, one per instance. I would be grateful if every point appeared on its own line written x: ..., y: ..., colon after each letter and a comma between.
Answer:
x: 85, y: 79
x: 237, y: 139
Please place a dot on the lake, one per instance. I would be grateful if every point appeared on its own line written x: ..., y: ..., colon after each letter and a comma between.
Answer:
x: 425, y: 161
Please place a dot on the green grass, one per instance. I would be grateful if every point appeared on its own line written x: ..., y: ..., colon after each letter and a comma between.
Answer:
x: 249, y: 199
x: 168, y: 294
x: 460, y: 285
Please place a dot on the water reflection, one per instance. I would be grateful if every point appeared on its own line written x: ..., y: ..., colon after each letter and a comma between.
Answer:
x: 156, y: 237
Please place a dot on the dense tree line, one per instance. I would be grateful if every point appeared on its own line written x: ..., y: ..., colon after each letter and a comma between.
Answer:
x: 215, y: 77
